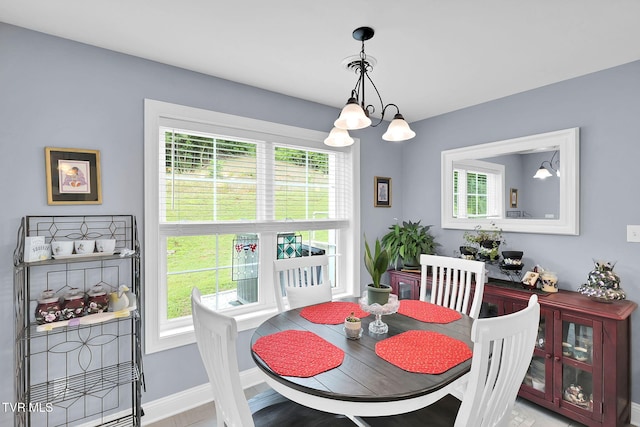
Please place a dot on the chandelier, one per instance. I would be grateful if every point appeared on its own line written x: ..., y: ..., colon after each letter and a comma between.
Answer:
x: 355, y: 114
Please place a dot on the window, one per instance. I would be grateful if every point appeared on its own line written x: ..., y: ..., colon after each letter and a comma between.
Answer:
x: 220, y: 191
x: 478, y: 189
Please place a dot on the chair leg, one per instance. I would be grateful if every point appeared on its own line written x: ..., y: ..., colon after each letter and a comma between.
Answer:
x: 358, y: 421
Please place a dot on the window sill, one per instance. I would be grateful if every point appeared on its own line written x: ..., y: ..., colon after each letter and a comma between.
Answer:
x: 179, y: 336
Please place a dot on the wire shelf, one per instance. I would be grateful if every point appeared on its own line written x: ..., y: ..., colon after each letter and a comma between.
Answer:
x: 75, y: 386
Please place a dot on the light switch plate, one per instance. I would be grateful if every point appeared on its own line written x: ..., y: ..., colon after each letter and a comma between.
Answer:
x: 633, y: 233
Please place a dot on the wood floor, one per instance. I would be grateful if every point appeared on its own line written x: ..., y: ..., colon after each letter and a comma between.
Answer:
x: 524, y: 414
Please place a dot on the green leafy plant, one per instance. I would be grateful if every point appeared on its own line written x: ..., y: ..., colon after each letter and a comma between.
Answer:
x: 352, y: 318
x: 487, y: 241
x: 376, y: 263
x: 407, y: 241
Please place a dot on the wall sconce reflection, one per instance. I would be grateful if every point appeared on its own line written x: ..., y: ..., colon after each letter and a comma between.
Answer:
x: 543, y: 172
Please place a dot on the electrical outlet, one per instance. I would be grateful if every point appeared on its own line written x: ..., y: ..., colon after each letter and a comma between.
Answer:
x: 633, y: 233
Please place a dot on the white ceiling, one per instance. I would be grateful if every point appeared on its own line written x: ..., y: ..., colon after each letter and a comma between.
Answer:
x: 434, y: 56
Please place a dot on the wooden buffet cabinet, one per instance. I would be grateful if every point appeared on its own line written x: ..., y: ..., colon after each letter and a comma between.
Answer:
x: 581, y: 364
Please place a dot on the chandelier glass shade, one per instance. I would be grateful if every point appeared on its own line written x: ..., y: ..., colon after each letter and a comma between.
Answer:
x: 356, y: 113
x: 352, y: 117
x: 338, y: 138
x: 398, y: 130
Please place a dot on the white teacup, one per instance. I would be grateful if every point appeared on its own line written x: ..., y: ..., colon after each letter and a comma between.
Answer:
x: 106, y: 246
x: 84, y: 246
x: 62, y: 247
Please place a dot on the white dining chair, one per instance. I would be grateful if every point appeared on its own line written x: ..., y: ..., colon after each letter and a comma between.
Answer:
x: 502, y: 351
x: 301, y: 281
x: 453, y: 281
x: 216, y: 337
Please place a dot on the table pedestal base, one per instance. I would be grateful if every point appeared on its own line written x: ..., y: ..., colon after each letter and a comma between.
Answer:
x: 378, y: 327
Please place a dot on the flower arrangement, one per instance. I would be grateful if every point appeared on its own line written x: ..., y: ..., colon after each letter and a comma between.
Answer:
x: 602, y: 283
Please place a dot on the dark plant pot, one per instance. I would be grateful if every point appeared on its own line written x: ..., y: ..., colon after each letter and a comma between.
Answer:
x: 468, y: 252
x: 490, y: 244
x: 512, y: 254
x: 378, y: 295
x: 412, y: 262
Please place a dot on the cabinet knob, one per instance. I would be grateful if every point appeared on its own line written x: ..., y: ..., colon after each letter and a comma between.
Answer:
x: 548, y: 355
x: 557, y: 358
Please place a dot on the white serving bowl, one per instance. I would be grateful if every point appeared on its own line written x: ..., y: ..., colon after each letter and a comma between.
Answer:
x: 106, y: 246
x: 84, y: 246
x: 62, y: 248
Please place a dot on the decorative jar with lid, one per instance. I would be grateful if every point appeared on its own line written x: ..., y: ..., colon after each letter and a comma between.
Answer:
x: 97, y: 300
x: 549, y: 281
x: 48, y: 308
x: 73, y: 305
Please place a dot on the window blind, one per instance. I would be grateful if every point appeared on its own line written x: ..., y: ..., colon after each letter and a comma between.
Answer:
x: 206, y: 177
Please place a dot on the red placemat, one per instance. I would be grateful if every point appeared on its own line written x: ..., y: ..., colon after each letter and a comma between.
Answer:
x: 427, y: 312
x: 298, y: 353
x: 423, y: 352
x: 332, y: 313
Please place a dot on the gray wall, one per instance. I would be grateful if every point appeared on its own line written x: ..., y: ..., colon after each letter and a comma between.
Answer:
x: 606, y: 107
x: 58, y: 93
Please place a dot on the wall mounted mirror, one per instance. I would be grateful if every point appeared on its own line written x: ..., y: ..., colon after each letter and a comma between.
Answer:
x: 494, y: 183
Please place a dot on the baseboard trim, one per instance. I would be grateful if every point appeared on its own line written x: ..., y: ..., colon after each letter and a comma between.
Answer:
x: 176, y: 403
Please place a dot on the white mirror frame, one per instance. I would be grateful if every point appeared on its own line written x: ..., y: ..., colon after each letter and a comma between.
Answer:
x: 567, y: 141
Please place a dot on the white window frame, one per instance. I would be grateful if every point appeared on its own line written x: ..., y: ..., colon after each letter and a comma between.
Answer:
x: 162, y: 334
x: 495, y: 186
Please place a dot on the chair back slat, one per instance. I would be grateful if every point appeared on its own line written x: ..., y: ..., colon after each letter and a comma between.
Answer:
x: 453, y: 281
x: 301, y: 281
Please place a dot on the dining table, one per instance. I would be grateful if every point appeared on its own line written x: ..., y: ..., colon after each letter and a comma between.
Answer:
x: 306, y: 356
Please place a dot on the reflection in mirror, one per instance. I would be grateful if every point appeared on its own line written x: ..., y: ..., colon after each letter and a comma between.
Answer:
x: 502, y: 182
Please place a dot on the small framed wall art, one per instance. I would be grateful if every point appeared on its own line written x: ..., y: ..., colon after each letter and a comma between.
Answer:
x: 513, y: 198
x: 73, y: 176
x: 382, y: 192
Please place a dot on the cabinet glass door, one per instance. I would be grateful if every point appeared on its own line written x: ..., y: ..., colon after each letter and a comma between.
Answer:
x: 539, y: 375
x: 579, y: 347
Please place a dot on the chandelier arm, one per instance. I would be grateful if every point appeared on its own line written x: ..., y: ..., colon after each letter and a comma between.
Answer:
x: 555, y: 153
x: 371, y: 109
x: 355, y: 93
x: 550, y: 165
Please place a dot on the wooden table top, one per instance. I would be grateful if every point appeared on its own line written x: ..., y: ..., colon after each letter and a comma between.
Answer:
x: 363, y: 375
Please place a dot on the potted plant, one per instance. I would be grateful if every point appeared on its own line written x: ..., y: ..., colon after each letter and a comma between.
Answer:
x: 353, y: 327
x: 468, y: 252
x: 486, y: 241
x: 407, y: 241
x: 376, y: 264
